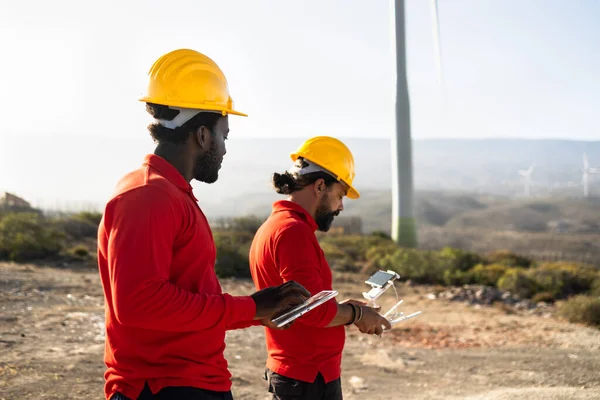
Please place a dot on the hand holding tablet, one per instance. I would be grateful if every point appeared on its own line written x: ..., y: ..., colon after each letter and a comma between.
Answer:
x: 301, y: 309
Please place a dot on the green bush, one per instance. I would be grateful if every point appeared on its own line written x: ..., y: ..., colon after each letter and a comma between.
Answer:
x: 76, y: 228
x: 595, y: 287
x: 377, y: 252
x: 337, y: 258
x: 381, y: 235
x: 488, y: 274
x: 453, y: 266
x: 516, y: 281
x: 581, y: 309
x: 509, y: 259
x: 93, y: 218
x: 417, y: 265
x: 456, y: 277
x: 546, y: 297
x: 457, y: 259
x: 249, y: 224
x: 233, y: 238
x: 28, y: 236
x: 563, y: 279
x: 79, y: 251
x: 231, y: 262
x: 352, y: 247
x: 449, y: 266
x: 356, y: 247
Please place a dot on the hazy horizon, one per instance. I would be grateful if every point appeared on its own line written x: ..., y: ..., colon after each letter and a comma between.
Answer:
x: 469, y: 165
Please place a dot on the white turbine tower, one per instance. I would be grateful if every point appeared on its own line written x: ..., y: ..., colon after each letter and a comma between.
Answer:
x: 527, y: 174
x: 404, y: 230
x: 403, y: 218
x: 587, y: 171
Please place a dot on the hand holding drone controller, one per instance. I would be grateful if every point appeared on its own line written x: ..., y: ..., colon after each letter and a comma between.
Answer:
x: 368, y: 320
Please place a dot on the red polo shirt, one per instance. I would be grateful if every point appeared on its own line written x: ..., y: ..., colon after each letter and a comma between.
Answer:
x: 285, y: 248
x: 166, y: 315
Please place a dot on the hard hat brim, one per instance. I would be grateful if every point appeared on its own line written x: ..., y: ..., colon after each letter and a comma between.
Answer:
x: 224, y: 111
x: 352, y: 193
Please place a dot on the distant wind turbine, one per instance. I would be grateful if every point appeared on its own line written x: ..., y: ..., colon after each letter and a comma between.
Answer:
x: 587, y: 171
x: 527, y: 174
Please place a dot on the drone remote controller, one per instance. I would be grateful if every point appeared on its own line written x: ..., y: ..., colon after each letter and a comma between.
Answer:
x: 380, y: 281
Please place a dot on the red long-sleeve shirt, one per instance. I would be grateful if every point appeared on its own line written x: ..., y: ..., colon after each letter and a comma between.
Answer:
x: 166, y: 315
x: 285, y: 248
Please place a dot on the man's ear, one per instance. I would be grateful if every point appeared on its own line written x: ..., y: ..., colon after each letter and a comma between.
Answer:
x: 320, y: 187
x: 202, y: 137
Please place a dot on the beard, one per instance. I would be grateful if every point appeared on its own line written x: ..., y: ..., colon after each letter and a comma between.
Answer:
x: 324, y: 216
x: 206, y: 168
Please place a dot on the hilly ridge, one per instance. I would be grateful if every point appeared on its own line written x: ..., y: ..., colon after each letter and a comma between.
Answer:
x: 83, y: 169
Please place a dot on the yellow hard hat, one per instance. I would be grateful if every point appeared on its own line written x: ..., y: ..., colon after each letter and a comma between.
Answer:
x: 332, y: 155
x: 189, y: 79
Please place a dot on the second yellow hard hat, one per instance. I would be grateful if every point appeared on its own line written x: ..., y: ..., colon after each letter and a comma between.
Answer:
x: 332, y: 155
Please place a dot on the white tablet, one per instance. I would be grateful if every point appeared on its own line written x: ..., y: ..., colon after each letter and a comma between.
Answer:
x: 305, y: 307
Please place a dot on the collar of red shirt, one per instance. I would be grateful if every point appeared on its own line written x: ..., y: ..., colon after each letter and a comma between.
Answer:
x: 286, y: 205
x: 171, y: 173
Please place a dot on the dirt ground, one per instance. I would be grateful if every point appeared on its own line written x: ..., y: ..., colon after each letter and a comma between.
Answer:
x: 52, y: 335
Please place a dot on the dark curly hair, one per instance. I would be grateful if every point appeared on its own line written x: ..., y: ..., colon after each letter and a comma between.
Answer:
x: 287, y: 183
x: 162, y: 134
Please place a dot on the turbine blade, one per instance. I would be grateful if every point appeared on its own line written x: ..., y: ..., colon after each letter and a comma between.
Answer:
x: 435, y: 21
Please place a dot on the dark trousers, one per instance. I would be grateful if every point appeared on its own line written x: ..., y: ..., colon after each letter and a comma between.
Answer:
x: 178, y: 393
x: 284, y: 388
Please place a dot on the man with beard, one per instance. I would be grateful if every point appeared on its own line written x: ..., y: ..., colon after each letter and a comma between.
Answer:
x: 166, y: 315
x: 304, y: 362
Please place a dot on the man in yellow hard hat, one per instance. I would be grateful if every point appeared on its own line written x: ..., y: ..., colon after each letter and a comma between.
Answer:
x: 304, y: 362
x: 166, y: 315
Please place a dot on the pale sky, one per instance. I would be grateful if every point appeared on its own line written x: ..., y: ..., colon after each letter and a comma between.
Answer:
x: 513, y: 68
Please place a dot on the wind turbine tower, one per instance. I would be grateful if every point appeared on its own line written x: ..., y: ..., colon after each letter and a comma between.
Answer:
x: 403, y: 220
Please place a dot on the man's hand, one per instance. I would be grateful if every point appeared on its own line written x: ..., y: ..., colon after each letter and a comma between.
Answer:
x: 269, y: 324
x: 372, y: 322
x: 275, y: 300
